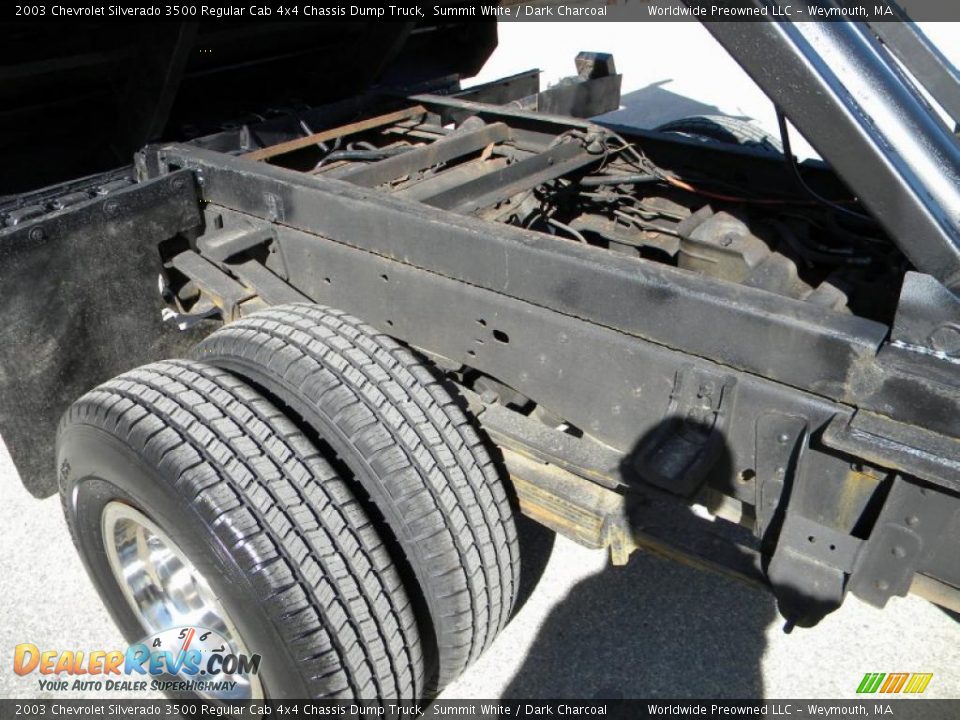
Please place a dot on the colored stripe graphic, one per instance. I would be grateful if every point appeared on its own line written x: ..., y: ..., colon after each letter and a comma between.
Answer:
x: 892, y: 683
x: 898, y: 681
x: 922, y: 682
x: 871, y: 682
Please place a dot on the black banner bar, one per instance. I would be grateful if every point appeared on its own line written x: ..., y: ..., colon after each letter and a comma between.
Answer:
x: 874, y: 706
x: 505, y: 11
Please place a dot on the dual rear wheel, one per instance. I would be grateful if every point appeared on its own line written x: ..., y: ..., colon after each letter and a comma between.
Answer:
x: 306, y: 489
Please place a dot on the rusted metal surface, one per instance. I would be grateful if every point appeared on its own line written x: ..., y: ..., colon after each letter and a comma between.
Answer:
x: 860, y: 484
x: 272, y: 289
x: 333, y: 133
x: 585, y: 512
x: 601, y: 518
x: 222, y: 290
x: 450, y: 178
x: 503, y: 184
x: 868, y: 436
x: 581, y: 456
x: 444, y: 149
x: 667, y: 551
x: 939, y: 593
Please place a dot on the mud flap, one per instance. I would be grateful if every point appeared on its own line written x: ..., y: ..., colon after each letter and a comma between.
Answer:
x: 80, y: 305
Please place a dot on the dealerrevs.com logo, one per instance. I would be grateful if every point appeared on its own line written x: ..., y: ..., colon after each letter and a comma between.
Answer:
x: 186, y: 659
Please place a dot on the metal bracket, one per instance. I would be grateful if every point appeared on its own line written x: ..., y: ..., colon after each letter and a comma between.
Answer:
x: 819, y: 543
x: 809, y: 562
x: 680, y: 454
x: 928, y: 316
x: 221, y: 245
x: 778, y: 442
x: 913, y: 518
x: 809, y: 568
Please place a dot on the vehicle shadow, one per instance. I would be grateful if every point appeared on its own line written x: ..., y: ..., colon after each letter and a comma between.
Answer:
x: 653, y: 105
x: 651, y: 629
x: 656, y: 628
x: 536, y: 546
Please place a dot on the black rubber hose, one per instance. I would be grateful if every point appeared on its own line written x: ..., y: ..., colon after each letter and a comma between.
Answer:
x: 363, y: 154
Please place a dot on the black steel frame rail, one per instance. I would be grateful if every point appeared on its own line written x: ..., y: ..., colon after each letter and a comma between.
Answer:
x: 786, y: 340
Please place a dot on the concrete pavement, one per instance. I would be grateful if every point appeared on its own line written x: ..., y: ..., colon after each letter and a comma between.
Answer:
x: 652, y: 629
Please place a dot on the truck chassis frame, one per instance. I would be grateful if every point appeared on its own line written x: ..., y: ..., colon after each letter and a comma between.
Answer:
x: 823, y: 445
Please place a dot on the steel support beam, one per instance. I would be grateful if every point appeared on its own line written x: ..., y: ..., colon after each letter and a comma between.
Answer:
x: 901, y: 162
x: 937, y: 74
x: 444, y: 150
x: 785, y: 340
x: 333, y: 133
x: 499, y: 185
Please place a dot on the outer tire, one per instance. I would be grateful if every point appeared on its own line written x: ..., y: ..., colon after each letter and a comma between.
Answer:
x: 725, y: 129
x: 279, y: 537
x: 409, y: 445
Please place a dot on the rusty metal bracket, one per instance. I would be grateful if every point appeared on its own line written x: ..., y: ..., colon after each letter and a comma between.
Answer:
x: 223, y: 291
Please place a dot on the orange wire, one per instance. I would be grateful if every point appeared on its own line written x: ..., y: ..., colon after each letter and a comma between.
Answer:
x: 683, y: 185
x: 728, y: 198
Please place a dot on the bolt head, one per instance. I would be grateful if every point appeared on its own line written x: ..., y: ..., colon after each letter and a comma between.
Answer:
x: 946, y: 339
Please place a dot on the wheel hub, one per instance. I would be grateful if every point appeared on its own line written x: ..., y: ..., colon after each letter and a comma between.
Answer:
x: 164, y: 588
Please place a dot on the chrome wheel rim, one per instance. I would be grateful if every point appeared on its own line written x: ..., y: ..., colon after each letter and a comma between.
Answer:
x: 164, y: 588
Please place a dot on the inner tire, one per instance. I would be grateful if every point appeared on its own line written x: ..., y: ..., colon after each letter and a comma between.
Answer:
x: 409, y: 445
x: 262, y: 517
x: 725, y: 129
